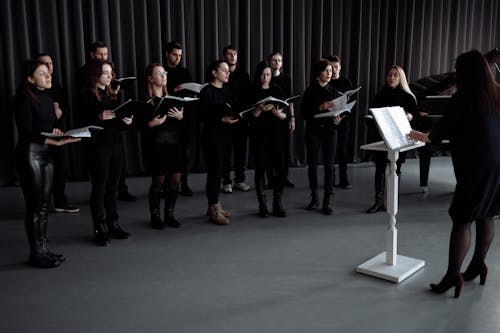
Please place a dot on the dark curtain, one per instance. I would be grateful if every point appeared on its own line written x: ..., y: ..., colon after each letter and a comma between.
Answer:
x: 423, y: 36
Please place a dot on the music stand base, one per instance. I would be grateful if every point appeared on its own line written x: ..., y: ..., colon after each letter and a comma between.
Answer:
x: 377, y: 267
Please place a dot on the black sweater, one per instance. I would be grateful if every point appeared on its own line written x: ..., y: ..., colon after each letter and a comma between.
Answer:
x: 216, y: 103
x: 313, y: 97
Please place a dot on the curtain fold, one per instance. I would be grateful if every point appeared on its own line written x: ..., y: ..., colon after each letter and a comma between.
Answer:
x: 423, y: 36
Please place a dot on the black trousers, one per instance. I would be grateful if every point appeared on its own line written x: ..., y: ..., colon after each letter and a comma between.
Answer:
x: 216, y: 151
x: 342, y: 139
x: 321, y: 139
x: 239, y: 153
x: 268, y: 154
x: 106, y: 164
x: 59, y: 184
x: 380, y: 159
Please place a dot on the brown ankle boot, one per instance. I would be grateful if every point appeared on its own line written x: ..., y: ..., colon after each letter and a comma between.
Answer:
x: 216, y: 215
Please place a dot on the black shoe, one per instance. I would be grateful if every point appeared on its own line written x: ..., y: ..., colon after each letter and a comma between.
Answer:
x: 65, y: 208
x: 56, y: 256
x: 186, y: 191
x: 43, y: 260
x: 116, y: 232
x: 345, y: 186
x: 288, y: 183
x: 101, y: 236
x: 172, y: 222
x: 377, y: 207
x: 125, y: 196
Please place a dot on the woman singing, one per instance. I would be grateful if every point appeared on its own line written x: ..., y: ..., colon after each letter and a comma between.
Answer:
x: 35, y: 113
x: 321, y: 133
x: 104, y: 151
x: 395, y: 92
x: 164, y: 149
x: 266, y: 140
x: 215, y: 103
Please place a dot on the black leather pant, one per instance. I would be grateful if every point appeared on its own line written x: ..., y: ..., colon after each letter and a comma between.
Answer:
x: 34, y: 164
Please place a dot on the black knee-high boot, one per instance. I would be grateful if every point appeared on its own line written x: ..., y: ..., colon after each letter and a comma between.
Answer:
x: 44, y: 223
x: 327, y: 203
x: 170, y: 201
x: 261, y: 196
x: 154, y: 209
x: 277, y: 203
x: 379, y: 193
x: 35, y: 231
x: 314, y: 203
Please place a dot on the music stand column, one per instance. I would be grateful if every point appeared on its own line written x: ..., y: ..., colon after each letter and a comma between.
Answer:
x: 389, y: 265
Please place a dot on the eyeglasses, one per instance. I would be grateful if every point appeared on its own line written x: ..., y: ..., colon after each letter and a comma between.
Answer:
x: 161, y: 73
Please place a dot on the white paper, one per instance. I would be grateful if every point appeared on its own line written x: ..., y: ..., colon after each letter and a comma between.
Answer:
x: 393, y: 126
x: 336, y: 111
x: 83, y: 132
x: 193, y: 86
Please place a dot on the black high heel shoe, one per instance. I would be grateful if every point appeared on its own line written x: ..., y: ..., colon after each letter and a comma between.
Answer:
x: 470, y: 274
x: 446, y: 284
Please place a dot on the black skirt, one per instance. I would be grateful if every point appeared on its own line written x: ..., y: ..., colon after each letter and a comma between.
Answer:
x: 165, y: 159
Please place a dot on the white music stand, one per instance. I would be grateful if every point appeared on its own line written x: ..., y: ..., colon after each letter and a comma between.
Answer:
x: 389, y: 265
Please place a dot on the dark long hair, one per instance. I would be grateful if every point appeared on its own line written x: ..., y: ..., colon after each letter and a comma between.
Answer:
x: 258, y: 72
x: 209, y: 77
x: 29, y: 68
x: 95, y: 73
x: 475, y: 80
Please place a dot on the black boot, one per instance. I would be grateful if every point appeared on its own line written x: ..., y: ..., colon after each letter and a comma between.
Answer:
x: 327, y: 204
x: 38, y: 255
x: 154, y: 210
x: 314, y: 203
x: 170, y: 201
x: 379, y: 193
x: 261, y: 196
x: 101, y: 233
x: 115, y: 231
x: 55, y: 256
x: 277, y: 206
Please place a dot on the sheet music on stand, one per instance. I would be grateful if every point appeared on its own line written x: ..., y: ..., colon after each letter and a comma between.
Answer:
x: 393, y: 126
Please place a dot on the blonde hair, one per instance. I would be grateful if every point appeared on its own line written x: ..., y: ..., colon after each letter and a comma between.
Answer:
x: 403, y: 82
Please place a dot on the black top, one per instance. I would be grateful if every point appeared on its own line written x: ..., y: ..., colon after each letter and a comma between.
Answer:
x: 391, y: 97
x: 266, y: 123
x: 342, y: 84
x: 241, y: 89
x: 216, y: 103
x: 284, y: 82
x: 59, y: 95
x: 34, y: 114
x: 313, y: 97
x: 168, y: 131
x: 91, y: 108
x: 176, y: 76
x: 475, y: 150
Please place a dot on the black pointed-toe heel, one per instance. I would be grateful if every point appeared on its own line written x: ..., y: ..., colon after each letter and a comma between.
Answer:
x: 446, y: 284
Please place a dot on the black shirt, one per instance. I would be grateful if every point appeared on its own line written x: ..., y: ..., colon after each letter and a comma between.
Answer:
x: 284, y: 82
x: 241, y: 90
x: 34, y: 114
x: 313, y: 97
x: 216, y: 103
x: 176, y: 76
x: 342, y: 84
x: 266, y: 123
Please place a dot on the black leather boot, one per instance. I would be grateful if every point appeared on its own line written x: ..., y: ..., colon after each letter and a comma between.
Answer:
x: 327, y: 204
x: 101, y: 233
x: 314, y: 203
x: 261, y: 196
x: 379, y: 194
x: 38, y: 255
x: 277, y: 204
x: 154, y: 210
x: 115, y: 231
x: 44, y: 223
x: 170, y: 201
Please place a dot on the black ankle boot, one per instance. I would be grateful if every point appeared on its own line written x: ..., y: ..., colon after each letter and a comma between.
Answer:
x: 45, y: 241
x: 170, y: 201
x: 327, y: 204
x: 277, y: 204
x: 101, y: 234
x: 314, y: 203
x: 154, y: 209
x: 116, y: 232
x: 377, y: 207
x: 261, y: 196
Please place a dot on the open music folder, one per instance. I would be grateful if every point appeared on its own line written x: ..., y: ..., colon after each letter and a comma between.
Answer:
x: 83, y: 132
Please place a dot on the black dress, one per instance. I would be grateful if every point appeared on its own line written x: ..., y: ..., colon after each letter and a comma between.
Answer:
x: 475, y: 150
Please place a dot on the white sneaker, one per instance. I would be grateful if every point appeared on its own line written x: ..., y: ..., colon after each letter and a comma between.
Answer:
x: 242, y: 187
x: 424, y: 189
x: 227, y: 188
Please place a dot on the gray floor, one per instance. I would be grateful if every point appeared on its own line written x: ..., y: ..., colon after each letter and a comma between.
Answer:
x: 257, y: 275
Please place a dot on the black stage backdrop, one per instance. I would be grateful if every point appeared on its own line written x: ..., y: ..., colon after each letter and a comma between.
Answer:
x: 423, y: 36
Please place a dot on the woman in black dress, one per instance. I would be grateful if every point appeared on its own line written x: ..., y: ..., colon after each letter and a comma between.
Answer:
x: 104, y: 151
x: 217, y: 116
x: 473, y: 127
x: 266, y: 139
x: 321, y: 133
x: 396, y: 92
x: 35, y: 113
x: 163, y: 139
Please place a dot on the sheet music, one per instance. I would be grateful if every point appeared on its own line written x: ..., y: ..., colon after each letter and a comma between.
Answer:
x: 393, y: 126
x: 83, y: 132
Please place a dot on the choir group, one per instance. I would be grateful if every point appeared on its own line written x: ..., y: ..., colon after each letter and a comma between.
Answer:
x: 233, y: 109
